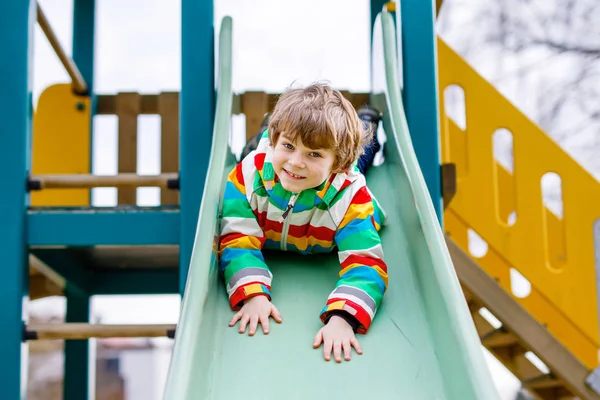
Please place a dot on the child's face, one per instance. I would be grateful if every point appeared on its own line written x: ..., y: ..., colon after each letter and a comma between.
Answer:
x: 299, y: 167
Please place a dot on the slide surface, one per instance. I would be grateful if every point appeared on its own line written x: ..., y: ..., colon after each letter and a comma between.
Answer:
x: 422, y: 343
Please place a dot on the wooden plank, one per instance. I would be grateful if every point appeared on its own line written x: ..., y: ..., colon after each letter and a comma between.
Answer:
x: 88, y: 181
x: 516, y: 319
x: 438, y: 6
x: 499, y: 338
x: 40, y: 287
x: 168, y: 108
x: 86, y: 331
x: 448, y: 182
x: 107, y: 104
x: 128, y: 109
x: 357, y: 99
x: 483, y: 327
x: 254, y: 105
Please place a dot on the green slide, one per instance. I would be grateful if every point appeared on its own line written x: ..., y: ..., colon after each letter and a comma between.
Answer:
x: 422, y: 344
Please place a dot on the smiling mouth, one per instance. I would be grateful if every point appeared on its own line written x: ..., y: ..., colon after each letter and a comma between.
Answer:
x: 294, y: 176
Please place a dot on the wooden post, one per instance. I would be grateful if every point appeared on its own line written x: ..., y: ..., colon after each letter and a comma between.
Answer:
x: 128, y: 109
x: 168, y: 108
x: 254, y: 105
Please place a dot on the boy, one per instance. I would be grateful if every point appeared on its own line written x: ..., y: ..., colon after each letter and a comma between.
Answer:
x: 303, y: 189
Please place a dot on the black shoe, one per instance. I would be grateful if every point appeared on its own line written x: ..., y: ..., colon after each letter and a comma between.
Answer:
x: 370, y: 117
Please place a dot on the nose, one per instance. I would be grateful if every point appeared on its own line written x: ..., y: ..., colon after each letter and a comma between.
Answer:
x: 296, y: 160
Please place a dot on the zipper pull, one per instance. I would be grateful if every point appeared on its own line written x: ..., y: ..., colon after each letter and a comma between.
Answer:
x: 290, y: 206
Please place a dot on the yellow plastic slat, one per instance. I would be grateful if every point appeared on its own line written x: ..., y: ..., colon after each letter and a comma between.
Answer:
x: 61, y: 143
x: 556, y: 255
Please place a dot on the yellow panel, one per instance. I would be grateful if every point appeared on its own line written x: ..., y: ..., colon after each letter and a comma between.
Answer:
x: 555, y: 255
x: 61, y: 143
x: 535, y: 303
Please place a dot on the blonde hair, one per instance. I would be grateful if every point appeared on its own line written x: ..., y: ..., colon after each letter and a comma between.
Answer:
x: 323, y: 119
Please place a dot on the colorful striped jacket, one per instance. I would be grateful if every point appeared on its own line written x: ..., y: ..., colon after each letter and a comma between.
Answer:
x: 258, y: 213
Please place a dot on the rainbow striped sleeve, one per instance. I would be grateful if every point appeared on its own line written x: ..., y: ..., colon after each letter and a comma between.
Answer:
x: 363, y: 278
x: 241, y: 241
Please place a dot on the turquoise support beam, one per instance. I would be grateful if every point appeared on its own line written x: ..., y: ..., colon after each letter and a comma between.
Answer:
x: 16, y: 44
x: 197, y: 107
x: 420, y: 93
x: 84, y: 23
x: 87, y: 227
x: 84, y: 31
x: 79, y: 373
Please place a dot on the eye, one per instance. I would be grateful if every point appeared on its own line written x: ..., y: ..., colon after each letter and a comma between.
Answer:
x: 315, y: 154
x: 288, y: 146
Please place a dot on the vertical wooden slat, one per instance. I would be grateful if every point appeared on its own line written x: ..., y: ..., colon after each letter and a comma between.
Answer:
x: 347, y: 95
x: 168, y: 108
x: 128, y: 109
x: 254, y: 105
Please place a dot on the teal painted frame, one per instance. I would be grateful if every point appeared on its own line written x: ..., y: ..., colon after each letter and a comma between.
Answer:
x: 420, y: 91
x: 87, y: 227
x: 197, y: 108
x: 17, y: 20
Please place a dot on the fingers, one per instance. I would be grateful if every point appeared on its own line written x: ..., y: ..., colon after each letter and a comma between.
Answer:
x: 253, y: 325
x: 264, y: 321
x: 276, y: 314
x: 318, y: 339
x: 347, y: 349
x: 354, y: 342
x: 235, y: 318
x: 327, y: 347
x: 337, y: 351
x: 243, y: 322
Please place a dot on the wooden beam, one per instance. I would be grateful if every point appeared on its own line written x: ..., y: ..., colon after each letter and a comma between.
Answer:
x: 40, y: 287
x: 86, y: 331
x: 107, y: 104
x: 88, y: 181
x: 254, y: 105
x: 568, y: 369
x: 168, y: 107
x: 128, y: 110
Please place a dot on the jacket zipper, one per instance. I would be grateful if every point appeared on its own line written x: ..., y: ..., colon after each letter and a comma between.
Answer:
x: 286, y: 221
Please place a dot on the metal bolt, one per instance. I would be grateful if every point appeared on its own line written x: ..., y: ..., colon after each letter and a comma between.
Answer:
x: 80, y: 106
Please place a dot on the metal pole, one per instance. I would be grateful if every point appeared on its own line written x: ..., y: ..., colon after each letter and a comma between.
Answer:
x: 197, y: 117
x: 420, y: 91
x: 17, y: 20
x: 79, y: 85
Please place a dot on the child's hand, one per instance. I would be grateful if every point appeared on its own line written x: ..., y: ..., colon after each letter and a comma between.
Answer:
x: 337, y: 335
x: 256, y: 309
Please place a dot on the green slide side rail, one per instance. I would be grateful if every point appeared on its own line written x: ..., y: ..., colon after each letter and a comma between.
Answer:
x: 422, y: 343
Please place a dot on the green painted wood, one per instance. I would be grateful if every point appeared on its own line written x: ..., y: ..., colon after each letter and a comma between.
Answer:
x: 80, y: 374
x: 17, y: 21
x: 422, y: 344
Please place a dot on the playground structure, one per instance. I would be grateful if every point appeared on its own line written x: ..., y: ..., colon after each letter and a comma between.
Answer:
x: 78, y: 251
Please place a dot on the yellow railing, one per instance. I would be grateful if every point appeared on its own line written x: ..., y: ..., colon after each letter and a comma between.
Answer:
x: 554, y: 253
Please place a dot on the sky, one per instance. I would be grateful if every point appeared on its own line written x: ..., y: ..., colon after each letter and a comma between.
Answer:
x: 138, y: 49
